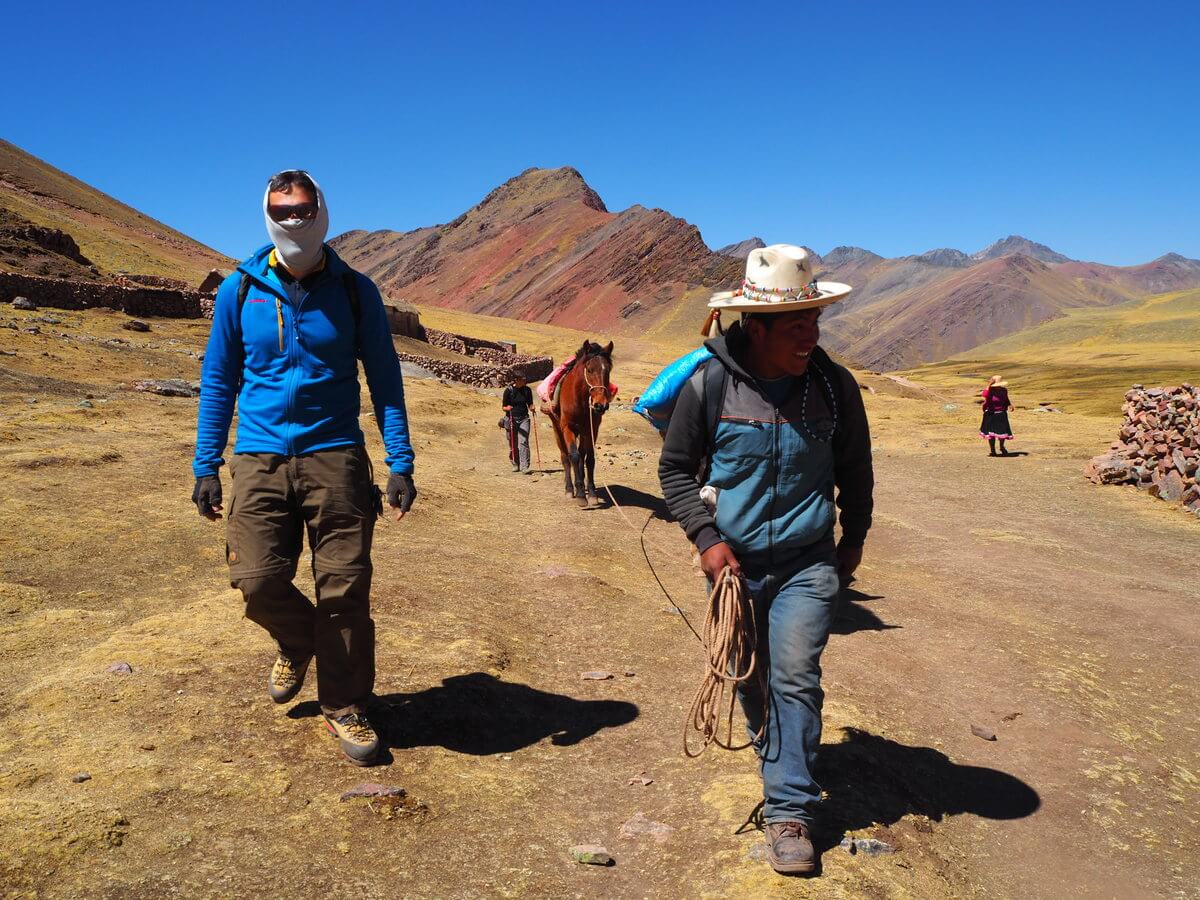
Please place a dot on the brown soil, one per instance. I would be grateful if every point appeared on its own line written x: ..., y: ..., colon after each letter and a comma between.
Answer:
x: 1003, y: 593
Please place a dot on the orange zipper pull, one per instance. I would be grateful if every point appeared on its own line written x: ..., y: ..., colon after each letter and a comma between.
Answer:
x: 279, y: 318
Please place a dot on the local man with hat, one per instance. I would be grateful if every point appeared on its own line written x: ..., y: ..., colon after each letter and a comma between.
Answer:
x: 779, y: 430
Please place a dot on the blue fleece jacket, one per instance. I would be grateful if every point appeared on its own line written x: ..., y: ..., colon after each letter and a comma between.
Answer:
x: 292, y: 369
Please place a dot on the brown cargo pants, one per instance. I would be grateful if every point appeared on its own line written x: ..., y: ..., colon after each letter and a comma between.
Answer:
x: 275, y: 500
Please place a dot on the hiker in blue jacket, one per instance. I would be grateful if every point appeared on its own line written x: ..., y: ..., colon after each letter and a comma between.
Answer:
x: 289, y: 327
x: 782, y: 427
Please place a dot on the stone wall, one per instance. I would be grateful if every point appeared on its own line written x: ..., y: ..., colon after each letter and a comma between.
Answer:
x: 60, y: 293
x: 154, y: 281
x: 482, y: 375
x: 1158, y: 446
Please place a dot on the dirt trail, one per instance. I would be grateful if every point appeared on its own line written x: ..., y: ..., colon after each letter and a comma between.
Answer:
x: 1008, y: 594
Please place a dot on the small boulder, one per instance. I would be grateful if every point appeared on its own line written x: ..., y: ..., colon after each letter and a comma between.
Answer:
x: 23, y: 303
x: 596, y: 676
x: 135, y: 325
x: 591, y: 855
x: 121, y: 668
x: 81, y: 777
x: 982, y: 731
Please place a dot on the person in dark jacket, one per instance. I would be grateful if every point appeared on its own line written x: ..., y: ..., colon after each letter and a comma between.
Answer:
x: 791, y: 446
x: 518, y: 405
x: 289, y: 327
x: 996, y: 407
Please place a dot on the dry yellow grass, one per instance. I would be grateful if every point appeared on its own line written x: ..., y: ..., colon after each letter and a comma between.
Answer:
x: 1086, y: 360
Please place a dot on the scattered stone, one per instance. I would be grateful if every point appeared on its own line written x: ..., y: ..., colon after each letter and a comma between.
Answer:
x: 591, y: 855
x: 81, y: 777
x: 641, y: 779
x: 373, y: 789
x: 135, y: 325
x: 23, y: 303
x: 950, y: 407
x: 981, y: 731
x: 85, y: 404
x: 867, y: 846
x: 596, y: 676
x: 629, y: 673
x: 8, y: 352
x: 46, y: 320
x: 147, y: 746
x: 121, y: 668
x: 171, y: 387
x: 32, y: 329
x: 639, y: 826
x: 1011, y: 716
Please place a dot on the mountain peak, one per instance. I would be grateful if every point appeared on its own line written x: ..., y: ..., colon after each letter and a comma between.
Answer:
x: 1014, y: 243
x: 840, y: 256
x: 742, y: 248
x: 945, y: 256
x: 536, y: 186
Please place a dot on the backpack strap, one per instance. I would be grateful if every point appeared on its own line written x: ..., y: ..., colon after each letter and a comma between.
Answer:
x: 243, y: 290
x: 713, y: 395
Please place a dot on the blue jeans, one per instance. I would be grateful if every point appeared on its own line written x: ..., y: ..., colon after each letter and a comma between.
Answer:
x: 795, y: 601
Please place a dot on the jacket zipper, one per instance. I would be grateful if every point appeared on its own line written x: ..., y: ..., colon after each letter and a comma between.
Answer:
x: 279, y: 319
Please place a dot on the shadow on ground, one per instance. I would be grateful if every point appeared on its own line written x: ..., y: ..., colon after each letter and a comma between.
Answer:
x: 870, y: 780
x: 852, y: 616
x: 479, y: 714
x: 632, y: 498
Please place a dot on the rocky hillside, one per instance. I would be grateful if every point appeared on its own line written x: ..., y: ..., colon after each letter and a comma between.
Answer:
x: 44, y: 208
x: 916, y: 309
x: 543, y: 247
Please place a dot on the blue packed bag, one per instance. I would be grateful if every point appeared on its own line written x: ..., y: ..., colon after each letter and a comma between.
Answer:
x: 657, y: 402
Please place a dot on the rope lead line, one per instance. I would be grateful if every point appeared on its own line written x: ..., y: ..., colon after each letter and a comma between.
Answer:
x: 730, y: 641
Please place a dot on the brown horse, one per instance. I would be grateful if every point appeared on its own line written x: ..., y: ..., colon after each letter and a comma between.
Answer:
x: 583, y: 399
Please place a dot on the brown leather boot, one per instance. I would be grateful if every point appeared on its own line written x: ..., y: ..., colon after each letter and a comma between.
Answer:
x: 790, y: 849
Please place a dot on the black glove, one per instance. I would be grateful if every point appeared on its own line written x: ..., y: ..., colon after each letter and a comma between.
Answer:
x: 207, y: 496
x: 401, y: 491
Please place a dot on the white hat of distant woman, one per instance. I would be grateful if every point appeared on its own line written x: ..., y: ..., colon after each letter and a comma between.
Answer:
x: 779, y: 278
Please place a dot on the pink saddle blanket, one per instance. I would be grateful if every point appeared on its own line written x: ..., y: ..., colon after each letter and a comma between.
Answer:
x: 547, y: 388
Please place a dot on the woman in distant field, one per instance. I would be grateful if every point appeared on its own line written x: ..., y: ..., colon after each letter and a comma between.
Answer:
x: 996, y: 406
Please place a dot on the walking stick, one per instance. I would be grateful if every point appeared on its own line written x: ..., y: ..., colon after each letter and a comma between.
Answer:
x: 536, y: 446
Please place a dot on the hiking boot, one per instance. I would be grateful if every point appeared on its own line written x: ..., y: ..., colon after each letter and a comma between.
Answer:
x: 287, y: 677
x: 359, y: 741
x: 790, y: 849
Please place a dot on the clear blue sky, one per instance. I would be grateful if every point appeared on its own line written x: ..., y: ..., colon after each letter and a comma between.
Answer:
x: 895, y: 126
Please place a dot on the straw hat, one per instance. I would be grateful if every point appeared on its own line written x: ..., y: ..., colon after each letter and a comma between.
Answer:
x: 779, y: 278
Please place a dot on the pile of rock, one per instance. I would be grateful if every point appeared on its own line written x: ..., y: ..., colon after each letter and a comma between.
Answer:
x: 1158, y: 446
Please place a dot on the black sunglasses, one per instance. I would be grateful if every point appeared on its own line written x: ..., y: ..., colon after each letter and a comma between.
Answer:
x: 281, y: 213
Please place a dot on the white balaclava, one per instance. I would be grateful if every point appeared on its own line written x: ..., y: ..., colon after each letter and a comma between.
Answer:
x: 299, y: 242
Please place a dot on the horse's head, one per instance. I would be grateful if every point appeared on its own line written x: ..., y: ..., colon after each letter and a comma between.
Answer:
x: 597, y: 371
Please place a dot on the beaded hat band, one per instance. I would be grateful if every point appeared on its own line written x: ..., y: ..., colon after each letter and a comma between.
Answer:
x: 779, y: 278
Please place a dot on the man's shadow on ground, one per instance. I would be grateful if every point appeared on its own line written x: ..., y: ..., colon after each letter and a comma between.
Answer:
x: 481, y: 715
x: 1011, y: 454
x: 871, y: 780
x: 852, y: 616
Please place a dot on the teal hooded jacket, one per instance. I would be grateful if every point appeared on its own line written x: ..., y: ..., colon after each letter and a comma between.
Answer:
x: 782, y: 471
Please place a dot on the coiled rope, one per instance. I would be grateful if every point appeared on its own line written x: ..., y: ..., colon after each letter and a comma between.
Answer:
x: 730, y: 645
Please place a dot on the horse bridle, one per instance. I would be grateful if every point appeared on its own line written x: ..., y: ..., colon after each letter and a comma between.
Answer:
x: 588, y: 381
